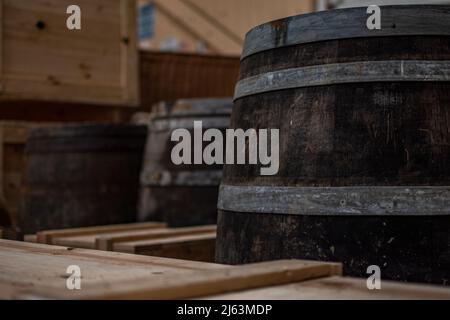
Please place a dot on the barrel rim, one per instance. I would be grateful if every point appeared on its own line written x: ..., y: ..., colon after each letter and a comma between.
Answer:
x: 208, y: 107
x: 266, y: 37
x: 86, y: 130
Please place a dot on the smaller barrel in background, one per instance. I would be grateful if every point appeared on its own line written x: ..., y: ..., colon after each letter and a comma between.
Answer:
x: 181, y: 195
x: 81, y: 175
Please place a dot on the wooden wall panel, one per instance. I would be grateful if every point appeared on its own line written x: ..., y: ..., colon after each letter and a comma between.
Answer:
x: 43, y: 60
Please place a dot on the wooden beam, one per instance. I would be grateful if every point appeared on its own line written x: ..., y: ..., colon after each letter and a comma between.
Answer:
x: 106, y: 242
x: 49, y: 236
x: 332, y: 288
x: 191, y: 20
x: 197, y: 247
x: 204, y: 283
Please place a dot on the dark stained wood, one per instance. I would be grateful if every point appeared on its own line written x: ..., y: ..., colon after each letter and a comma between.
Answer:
x: 375, y: 134
x: 181, y: 195
x: 81, y: 175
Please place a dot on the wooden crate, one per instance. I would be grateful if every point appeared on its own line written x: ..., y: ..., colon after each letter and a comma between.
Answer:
x: 41, y: 59
x: 172, y: 76
x: 152, y: 239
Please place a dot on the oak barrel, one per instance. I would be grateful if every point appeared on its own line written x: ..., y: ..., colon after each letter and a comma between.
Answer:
x: 186, y: 194
x: 364, y: 120
x: 81, y: 175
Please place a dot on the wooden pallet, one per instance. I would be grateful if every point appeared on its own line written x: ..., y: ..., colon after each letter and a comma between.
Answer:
x: 39, y: 271
x: 153, y: 239
x: 36, y: 270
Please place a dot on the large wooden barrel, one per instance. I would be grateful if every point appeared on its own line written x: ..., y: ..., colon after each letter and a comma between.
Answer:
x: 81, y: 175
x: 364, y: 120
x: 186, y: 194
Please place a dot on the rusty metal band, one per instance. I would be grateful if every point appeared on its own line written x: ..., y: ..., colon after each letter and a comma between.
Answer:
x: 339, y: 201
x: 181, y: 178
x: 340, y: 73
x: 177, y: 123
x: 415, y: 20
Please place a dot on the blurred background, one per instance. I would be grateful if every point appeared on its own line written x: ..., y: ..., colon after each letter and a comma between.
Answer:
x: 219, y: 27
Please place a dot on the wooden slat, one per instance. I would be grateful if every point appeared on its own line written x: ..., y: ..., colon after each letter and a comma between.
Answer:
x: 129, y: 54
x: 199, y: 247
x: 50, y: 236
x: 340, y: 288
x: 107, y: 242
x: 30, y: 238
x: 43, y: 267
x: 203, y: 283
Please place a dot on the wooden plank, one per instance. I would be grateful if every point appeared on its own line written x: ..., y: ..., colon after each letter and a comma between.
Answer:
x: 27, y: 266
x: 199, y: 247
x: 49, y: 236
x: 107, y: 242
x: 203, y: 283
x: 30, y: 238
x: 129, y: 54
x: 341, y: 288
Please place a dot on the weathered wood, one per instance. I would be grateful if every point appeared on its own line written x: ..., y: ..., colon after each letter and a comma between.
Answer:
x: 356, y: 72
x: 347, y: 23
x: 339, y: 288
x: 69, y: 180
x: 345, y: 147
x: 183, y: 195
x: 99, y: 269
x: 49, y: 236
x: 204, y: 283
